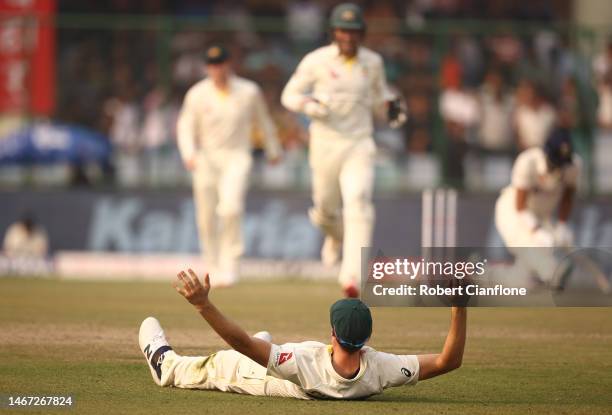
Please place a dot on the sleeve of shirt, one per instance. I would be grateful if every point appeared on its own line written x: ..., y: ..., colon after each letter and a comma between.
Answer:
x: 263, y: 120
x: 282, y: 363
x: 186, y: 127
x: 524, y: 175
x: 300, y: 86
x: 397, y: 370
x: 382, y: 93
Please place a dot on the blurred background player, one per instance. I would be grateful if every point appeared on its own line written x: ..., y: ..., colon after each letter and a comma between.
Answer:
x: 544, y: 181
x: 214, y: 131
x: 26, y: 239
x: 339, y: 87
x: 345, y: 369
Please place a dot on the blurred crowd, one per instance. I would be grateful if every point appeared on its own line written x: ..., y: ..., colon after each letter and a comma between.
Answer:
x: 471, y: 92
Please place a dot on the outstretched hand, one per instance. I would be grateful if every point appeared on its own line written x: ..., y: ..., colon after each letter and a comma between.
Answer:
x: 189, y: 286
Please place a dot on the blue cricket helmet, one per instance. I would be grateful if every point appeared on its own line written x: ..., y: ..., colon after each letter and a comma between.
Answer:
x: 558, y: 147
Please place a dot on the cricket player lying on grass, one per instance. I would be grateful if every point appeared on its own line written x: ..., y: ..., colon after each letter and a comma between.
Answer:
x: 346, y: 369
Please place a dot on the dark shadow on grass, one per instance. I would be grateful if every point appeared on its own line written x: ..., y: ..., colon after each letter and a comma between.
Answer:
x: 454, y: 401
x: 372, y: 400
x: 382, y: 399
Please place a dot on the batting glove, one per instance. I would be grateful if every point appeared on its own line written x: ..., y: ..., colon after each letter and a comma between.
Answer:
x: 396, y: 113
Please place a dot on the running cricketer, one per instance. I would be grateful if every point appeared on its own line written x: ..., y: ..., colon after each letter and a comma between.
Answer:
x: 346, y: 369
x: 543, y: 185
x: 215, y: 126
x: 339, y: 87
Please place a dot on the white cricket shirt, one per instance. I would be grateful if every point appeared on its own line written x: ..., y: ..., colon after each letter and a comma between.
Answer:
x: 309, y: 366
x: 211, y: 119
x: 530, y: 172
x: 352, y: 89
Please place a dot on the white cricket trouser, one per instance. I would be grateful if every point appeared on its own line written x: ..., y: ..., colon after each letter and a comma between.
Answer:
x: 226, y: 371
x: 518, y: 237
x: 343, y: 177
x: 220, y: 182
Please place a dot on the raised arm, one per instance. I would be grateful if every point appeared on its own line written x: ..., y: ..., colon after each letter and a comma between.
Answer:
x: 431, y: 365
x: 189, y: 286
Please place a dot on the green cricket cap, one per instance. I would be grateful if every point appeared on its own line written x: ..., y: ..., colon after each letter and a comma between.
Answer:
x: 347, y: 16
x: 351, y: 321
x: 216, y: 54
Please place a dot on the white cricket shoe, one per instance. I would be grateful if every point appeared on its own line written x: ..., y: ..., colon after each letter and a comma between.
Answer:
x: 153, y: 345
x: 263, y: 335
x: 330, y: 252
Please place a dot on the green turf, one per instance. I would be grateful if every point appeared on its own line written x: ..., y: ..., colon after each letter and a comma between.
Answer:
x: 80, y: 339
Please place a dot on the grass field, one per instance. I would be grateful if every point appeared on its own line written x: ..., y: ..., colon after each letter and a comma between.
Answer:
x: 80, y: 339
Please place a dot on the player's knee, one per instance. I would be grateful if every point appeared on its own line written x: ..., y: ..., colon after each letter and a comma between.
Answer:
x: 357, y: 198
x: 230, y: 209
x: 359, y: 209
x: 322, y: 218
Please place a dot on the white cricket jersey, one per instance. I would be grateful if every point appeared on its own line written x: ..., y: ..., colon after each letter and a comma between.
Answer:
x: 530, y: 172
x: 212, y: 120
x: 352, y: 89
x: 309, y: 366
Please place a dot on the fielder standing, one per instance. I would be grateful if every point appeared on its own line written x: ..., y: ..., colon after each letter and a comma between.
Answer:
x: 345, y: 369
x: 215, y: 125
x: 534, y: 210
x: 339, y: 87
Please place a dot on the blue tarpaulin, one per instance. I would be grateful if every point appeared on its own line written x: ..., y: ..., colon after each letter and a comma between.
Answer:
x: 47, y: 143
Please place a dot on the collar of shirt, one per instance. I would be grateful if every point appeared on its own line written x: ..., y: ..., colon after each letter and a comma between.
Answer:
x: 224, y: 93
x: 344, y: 60
x: 542, y: 168
x: 335, y: 375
